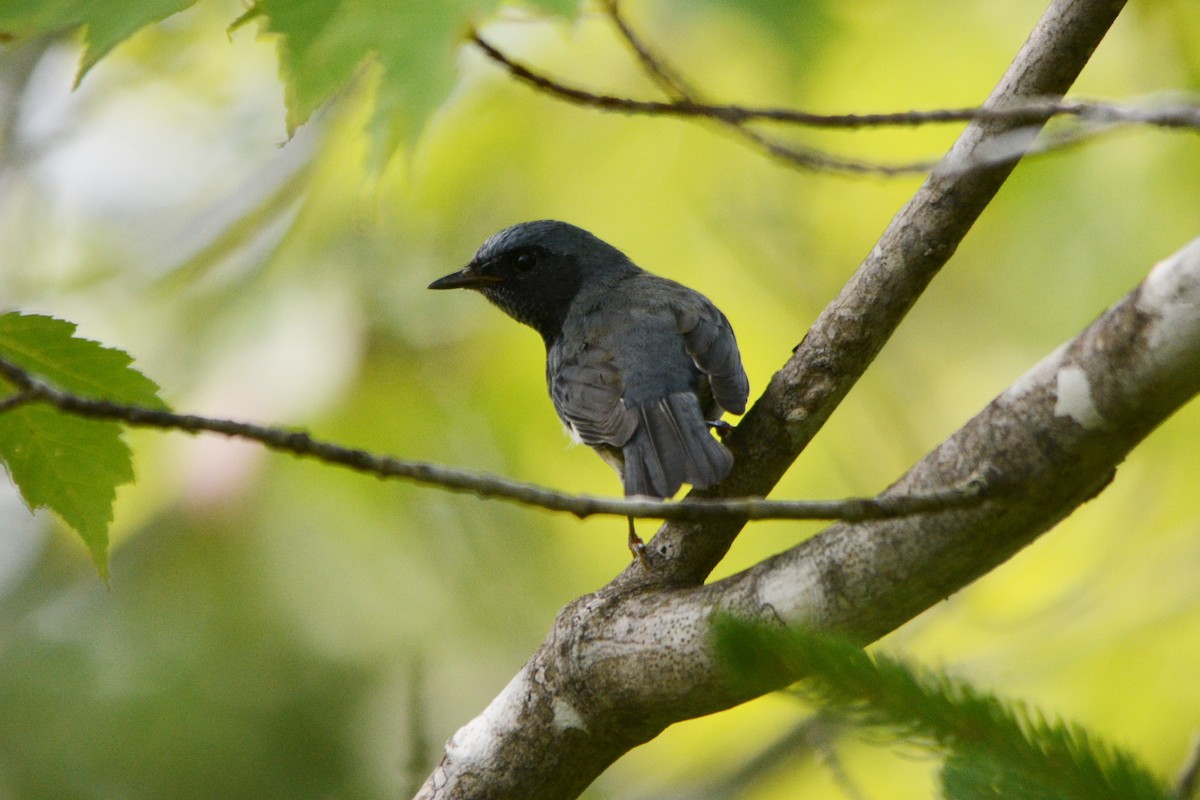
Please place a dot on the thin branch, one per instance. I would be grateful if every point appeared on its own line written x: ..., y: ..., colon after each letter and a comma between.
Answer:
x: 686, y: 104
x: 1182, y: 115
x: 32, y: 390
x: 666, y: 76
x: 733, y: 116
x: 670, y: 81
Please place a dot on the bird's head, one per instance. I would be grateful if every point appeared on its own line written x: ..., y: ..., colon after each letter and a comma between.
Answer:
x: 534, y: 270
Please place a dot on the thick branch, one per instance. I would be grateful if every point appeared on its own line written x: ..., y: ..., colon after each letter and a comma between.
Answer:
x: 852, y: 330
x: 620, y: 666
x: 1056, y: 437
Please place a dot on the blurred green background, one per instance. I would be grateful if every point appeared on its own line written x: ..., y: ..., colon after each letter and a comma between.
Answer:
x: 279, y: 628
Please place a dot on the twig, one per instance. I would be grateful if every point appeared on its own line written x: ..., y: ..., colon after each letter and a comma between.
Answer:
x: 686, y: 104
x: 1182, y: 115
x: 671, y: 82
x: 667, y: 77
x: 31, y: 390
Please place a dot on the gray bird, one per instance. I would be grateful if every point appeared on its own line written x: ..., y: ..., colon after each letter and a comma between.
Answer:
x: 638, y: 366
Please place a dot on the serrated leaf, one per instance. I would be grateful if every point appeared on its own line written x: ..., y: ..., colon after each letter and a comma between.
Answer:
x: 49, y: 348
x: 106, y: 29
x: 106, y: 24
x: 323, y: 44
x: 69, y: 464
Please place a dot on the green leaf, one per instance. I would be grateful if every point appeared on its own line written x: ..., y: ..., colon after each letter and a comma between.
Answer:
x: 324, y: 43
x: 977, y: 776
x: 69, y: 464
x: 992, y: 743
x: 48, y: 348
x: 106, y: 24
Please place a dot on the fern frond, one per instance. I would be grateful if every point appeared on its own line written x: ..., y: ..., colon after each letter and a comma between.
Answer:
x: 996, y: 748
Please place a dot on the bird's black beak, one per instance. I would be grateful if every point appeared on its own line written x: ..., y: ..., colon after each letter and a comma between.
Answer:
x: 469, y: 277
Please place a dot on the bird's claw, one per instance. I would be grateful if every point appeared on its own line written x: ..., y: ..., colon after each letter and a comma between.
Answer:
x: 637, y: 547
x: 721, y: 427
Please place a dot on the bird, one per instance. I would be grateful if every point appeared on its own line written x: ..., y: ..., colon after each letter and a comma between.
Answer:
x: 638, y: 367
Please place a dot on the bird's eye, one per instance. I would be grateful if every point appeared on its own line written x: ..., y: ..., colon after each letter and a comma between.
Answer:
x: 525, y: 262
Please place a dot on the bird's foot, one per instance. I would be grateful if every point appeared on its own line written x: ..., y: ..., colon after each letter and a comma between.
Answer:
x: 721, y: 427
x: 637, y: 546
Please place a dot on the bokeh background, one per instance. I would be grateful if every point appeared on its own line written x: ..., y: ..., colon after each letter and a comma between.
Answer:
x: 280, y: 628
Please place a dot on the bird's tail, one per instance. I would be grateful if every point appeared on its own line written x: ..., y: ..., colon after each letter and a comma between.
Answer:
x: 672, y: 446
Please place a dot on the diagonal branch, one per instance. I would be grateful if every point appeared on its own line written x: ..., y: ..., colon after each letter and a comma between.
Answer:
x: 666, y: 76
x: 851, y: 331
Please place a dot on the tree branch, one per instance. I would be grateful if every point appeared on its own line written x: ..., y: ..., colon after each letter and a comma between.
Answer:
x: 851, y: 331
x: 1030, y: 110
x: 623, y: 663
x: 299, y: 443
x: 619, y: 666
x: 1093, y: 118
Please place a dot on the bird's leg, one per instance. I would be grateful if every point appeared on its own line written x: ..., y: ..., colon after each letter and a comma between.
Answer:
x: 637, y: 546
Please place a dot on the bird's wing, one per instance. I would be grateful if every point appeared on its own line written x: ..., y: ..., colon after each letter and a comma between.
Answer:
x: 709, y: 340
x: 586, y: 388
x: 633, y: 390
